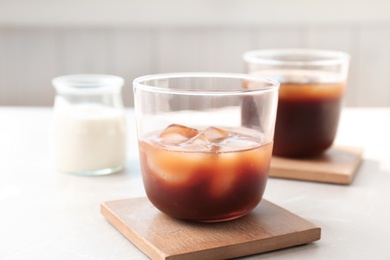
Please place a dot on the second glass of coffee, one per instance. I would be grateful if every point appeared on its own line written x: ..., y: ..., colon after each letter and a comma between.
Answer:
x: 313, y: 84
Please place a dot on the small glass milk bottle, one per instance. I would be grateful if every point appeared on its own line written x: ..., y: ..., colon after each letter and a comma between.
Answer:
x: 89, y: 128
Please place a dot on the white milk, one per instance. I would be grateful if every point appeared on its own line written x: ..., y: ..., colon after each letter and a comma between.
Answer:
x: 89, y: 138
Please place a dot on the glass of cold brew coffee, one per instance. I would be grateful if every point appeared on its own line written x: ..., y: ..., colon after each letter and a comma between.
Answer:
x: 312, y: 86
x: 199, y: 162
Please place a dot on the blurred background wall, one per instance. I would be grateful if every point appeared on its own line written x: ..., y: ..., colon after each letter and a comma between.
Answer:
x: 42, y: 39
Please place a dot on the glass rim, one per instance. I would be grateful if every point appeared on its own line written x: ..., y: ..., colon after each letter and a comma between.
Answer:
x: 325, y: 57
x: 88, y: 83
x: 138, y: 83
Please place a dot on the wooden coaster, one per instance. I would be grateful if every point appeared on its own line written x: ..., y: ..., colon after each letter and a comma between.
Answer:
x: 338, y: 165
x: 268, y: 227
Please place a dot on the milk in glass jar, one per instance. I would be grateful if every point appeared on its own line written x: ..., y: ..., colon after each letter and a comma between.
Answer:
x: 89, y: 128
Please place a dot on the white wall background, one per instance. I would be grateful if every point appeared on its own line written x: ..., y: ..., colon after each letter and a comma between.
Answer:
x: 42, y: 39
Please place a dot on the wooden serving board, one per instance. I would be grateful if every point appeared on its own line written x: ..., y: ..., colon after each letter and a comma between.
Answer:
x: 338, y: 165
x: 268, y: 227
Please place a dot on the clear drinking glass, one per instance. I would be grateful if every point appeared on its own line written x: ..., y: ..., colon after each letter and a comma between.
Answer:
x: 89, y: 131
x: 200, y: 160
x: 313, y: 84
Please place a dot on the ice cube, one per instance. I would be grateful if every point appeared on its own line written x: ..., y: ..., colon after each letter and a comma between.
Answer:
x: 199, y: 139
x: 171, y: 167
x: 240, y: 142
x: 225, y: 174
x: 208, y: 140
x: 198, y: 143
x: 176, y: 134
x: 215, y: 135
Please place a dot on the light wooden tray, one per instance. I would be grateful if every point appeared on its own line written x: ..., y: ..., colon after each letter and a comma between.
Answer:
x: 269, y: 227
x: 338, y: 165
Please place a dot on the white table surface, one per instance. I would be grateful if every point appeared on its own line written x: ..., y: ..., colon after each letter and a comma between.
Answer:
x: 45, y: 214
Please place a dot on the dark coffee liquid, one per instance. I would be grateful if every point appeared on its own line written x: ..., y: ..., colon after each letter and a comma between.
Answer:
x: 306, y: 127
x: 204, y: 186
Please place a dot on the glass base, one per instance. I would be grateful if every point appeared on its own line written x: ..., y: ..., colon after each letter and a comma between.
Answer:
x: 99, y: 172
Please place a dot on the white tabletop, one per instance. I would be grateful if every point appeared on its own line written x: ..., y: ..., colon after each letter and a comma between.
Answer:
x: 45, y: 214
